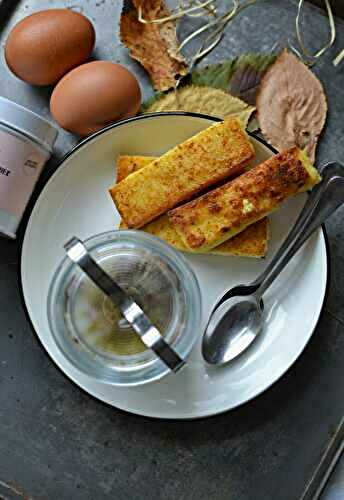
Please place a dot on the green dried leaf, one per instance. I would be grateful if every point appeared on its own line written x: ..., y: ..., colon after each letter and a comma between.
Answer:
x: 216, y: 75
x: 240, y: 76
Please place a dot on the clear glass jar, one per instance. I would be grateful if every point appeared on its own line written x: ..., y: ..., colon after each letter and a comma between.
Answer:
x: 93, y: 335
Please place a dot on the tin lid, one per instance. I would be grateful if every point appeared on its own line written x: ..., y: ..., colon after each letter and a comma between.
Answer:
x: 28, y: 123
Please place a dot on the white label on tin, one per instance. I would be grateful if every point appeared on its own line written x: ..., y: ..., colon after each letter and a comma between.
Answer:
x: 21, y: 163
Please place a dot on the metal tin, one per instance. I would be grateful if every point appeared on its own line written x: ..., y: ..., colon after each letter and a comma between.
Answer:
x: 26, y: 143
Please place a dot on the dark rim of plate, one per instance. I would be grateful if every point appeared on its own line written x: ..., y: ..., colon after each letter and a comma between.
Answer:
x: 21, y: 238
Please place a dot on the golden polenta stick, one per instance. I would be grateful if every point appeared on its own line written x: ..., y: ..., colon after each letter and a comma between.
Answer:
x: 214, y: 154
x: 252, y: 242
x: 224, y: 212
x: 127, y: 165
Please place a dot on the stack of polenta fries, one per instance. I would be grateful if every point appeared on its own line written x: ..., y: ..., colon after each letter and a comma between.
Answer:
x: 200, y: 197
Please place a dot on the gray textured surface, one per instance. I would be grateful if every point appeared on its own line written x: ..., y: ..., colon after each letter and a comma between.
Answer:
x: 58, y: 443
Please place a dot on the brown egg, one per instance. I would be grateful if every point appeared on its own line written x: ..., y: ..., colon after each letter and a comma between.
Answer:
x: 94, y: 95
x: 43, y: 47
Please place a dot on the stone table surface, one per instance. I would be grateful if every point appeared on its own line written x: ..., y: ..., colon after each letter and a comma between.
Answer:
x: 56, y: 442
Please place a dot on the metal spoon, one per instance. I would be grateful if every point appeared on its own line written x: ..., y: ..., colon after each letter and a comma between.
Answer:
x: 236, y: 321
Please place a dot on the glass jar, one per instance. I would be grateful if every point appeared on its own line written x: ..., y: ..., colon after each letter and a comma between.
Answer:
x: 92, y: 334
x: 26, y: 142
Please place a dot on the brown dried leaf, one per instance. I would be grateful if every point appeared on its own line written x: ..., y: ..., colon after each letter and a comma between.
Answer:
x: 291, y: 105
x: 206, y: 100
x: 155, y: 46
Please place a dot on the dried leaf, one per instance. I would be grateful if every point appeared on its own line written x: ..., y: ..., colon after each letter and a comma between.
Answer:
x: 155, y: 46
x: 146, y: 105
x: 205, y: 100
x: 240, y: 76
x: 253, y: 125
x: 215, y: 75
x: 291, y: 105
x: 247, y: 77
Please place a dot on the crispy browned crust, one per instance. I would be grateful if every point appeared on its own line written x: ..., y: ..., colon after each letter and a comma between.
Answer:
x: 213, y: 155
x: 127, y: 165
x: 222, y: 213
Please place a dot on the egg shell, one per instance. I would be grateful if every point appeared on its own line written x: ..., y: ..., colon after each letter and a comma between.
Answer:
x: 93, y: 96
x: 43, y: 47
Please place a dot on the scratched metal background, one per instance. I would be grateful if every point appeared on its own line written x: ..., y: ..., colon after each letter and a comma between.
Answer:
x: 56, y: 442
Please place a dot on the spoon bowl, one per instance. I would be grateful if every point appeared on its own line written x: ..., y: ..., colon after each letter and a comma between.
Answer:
x: 228, y: 335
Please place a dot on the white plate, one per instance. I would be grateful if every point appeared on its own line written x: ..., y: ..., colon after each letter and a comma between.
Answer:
x: 75, y: 202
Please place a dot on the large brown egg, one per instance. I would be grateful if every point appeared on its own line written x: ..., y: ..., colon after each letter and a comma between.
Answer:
x: 93, y: 96
x: 43, y: 47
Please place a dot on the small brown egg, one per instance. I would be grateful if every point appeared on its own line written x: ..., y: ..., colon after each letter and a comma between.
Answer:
x: 43, y: 47
x: 93, y: 96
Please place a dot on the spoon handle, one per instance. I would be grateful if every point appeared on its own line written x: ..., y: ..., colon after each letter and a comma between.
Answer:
x: 322, y: 202
x: 326, y: 172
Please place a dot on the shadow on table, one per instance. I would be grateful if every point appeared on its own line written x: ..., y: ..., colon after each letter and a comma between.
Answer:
x: 7, y: 7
